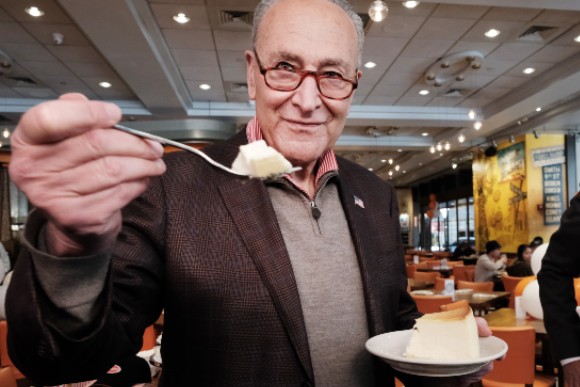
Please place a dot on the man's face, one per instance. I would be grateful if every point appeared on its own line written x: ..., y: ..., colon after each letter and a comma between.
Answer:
x: 495, y: 254
x: 312, y: 35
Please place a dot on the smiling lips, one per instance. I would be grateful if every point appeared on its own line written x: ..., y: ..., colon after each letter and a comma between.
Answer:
x: 304, y: 125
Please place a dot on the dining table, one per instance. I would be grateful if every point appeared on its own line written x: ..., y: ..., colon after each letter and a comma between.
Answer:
x: 444, y: 270
x: 506, y: 317
x: 480, y: 302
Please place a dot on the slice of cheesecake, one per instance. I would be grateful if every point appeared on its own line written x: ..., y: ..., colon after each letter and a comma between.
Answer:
x: 450, y: 335
x: 257, y: 159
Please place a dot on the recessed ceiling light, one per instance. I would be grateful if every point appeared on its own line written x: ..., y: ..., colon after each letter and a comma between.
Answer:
x: 105, y: 85
x: 424, y: 92
x: 528, y: 70
x: 471, y: 114
x: 370, y: 169
x: 181, y: 18
x: 370, y: 65
x: 383, y: 161
x: 204, y: 86
x: 461, y: 138
x: 397, y: 167
x: 477, y: 125
x: 492, y: 33
x: 424, y: 134
x: 539, y: 109
x: 34, y: 11
x: 410, y: 4
x: 577, y: 39
x: 6, y: 133
x: 399, y: 150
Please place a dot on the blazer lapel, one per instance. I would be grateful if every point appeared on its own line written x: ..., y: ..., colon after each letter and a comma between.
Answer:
x: 357, y: 217
x: 256, y: 222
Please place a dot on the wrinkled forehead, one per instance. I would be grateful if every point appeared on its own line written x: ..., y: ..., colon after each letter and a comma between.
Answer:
x: 316, y: 30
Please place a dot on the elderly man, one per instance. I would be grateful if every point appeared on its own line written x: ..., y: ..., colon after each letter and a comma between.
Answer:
x: 263, y: 283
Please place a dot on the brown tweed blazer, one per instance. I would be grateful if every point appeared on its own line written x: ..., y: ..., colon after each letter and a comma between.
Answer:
x: 205, y: 246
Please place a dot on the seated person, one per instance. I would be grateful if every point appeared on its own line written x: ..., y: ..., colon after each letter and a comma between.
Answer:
x: 490, y: 264
x: 522, y: 266
x: 462, y: 250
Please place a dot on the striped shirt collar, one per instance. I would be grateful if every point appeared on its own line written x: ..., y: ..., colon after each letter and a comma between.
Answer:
x: 326, y: 163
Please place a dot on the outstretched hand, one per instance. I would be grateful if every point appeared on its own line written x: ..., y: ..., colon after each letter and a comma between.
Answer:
x: 78, y: 172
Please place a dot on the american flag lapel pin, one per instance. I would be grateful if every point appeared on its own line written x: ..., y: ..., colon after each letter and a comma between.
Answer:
x: 358, y: 201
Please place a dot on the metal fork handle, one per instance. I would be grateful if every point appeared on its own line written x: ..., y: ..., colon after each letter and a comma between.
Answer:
x: 166, y: 141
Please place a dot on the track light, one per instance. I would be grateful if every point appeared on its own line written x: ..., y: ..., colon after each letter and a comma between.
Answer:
x: 454, y: 165
x: 536, y: 134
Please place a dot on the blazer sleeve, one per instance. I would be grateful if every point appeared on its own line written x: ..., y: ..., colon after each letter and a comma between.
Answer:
x: 556, y: 279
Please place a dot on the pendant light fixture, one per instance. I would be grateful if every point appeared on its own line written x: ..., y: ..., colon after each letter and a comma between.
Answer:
x: 378, y: 11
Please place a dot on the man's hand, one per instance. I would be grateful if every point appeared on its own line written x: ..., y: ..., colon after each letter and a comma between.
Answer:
x: 78, y: 172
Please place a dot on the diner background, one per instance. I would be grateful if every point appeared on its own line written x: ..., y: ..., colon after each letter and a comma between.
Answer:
x: 230, y: 254
x: 428, y: 233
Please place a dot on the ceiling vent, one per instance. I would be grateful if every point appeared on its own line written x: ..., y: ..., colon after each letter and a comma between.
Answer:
x: 22, y: 81
x: 237, y: 87
x: 538, y: 34
x: 237, y: 19
x: 454, y: 93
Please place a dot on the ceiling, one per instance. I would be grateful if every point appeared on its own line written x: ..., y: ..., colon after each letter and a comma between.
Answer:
x: 155, y: 67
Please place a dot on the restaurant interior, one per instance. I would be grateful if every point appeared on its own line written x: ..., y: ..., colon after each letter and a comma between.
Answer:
x: 470, y: 108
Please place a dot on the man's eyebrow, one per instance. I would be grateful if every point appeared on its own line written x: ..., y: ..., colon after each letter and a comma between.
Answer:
x: 330, y: 62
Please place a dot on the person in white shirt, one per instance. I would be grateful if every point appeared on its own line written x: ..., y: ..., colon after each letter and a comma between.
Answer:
x: 488, y: 265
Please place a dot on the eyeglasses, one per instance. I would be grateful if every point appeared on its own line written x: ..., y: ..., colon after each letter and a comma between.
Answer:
x: 284, y: 77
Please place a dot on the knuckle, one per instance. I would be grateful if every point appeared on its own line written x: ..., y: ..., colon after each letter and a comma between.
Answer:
x: 110, y: 168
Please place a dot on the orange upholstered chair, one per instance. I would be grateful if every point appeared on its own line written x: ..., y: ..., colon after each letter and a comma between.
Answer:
x: 454, y: 305
x: 463, y: 273
x: 431, y: 304
x: 7, y: 378
x: 510, y: 283
x: 440, y: 282
x: 518, y: 368
x: 411, y: 269
x: 476, y: 286
x: 5, y: 360
x: 149, y: 338
x: 426, y: 276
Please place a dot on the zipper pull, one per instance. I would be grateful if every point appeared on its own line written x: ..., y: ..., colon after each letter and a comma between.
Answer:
x: 315, y: 210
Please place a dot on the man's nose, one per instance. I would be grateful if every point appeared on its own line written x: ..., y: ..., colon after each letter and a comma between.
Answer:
x: 307, y: 96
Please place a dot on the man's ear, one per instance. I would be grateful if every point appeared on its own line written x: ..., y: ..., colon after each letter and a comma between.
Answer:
x: 250, y: 74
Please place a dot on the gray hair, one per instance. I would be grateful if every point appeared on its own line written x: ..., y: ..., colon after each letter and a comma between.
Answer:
x: 265, y: 5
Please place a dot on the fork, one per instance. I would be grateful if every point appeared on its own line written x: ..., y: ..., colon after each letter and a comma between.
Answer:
x: 166, y: 141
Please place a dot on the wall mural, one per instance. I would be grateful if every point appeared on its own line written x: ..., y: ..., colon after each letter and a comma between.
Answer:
x: 500, y: 194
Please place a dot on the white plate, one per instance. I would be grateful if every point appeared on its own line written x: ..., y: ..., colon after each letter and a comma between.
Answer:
x: 423, y: 292
x: 463, y: 291
x: 391, y: 346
